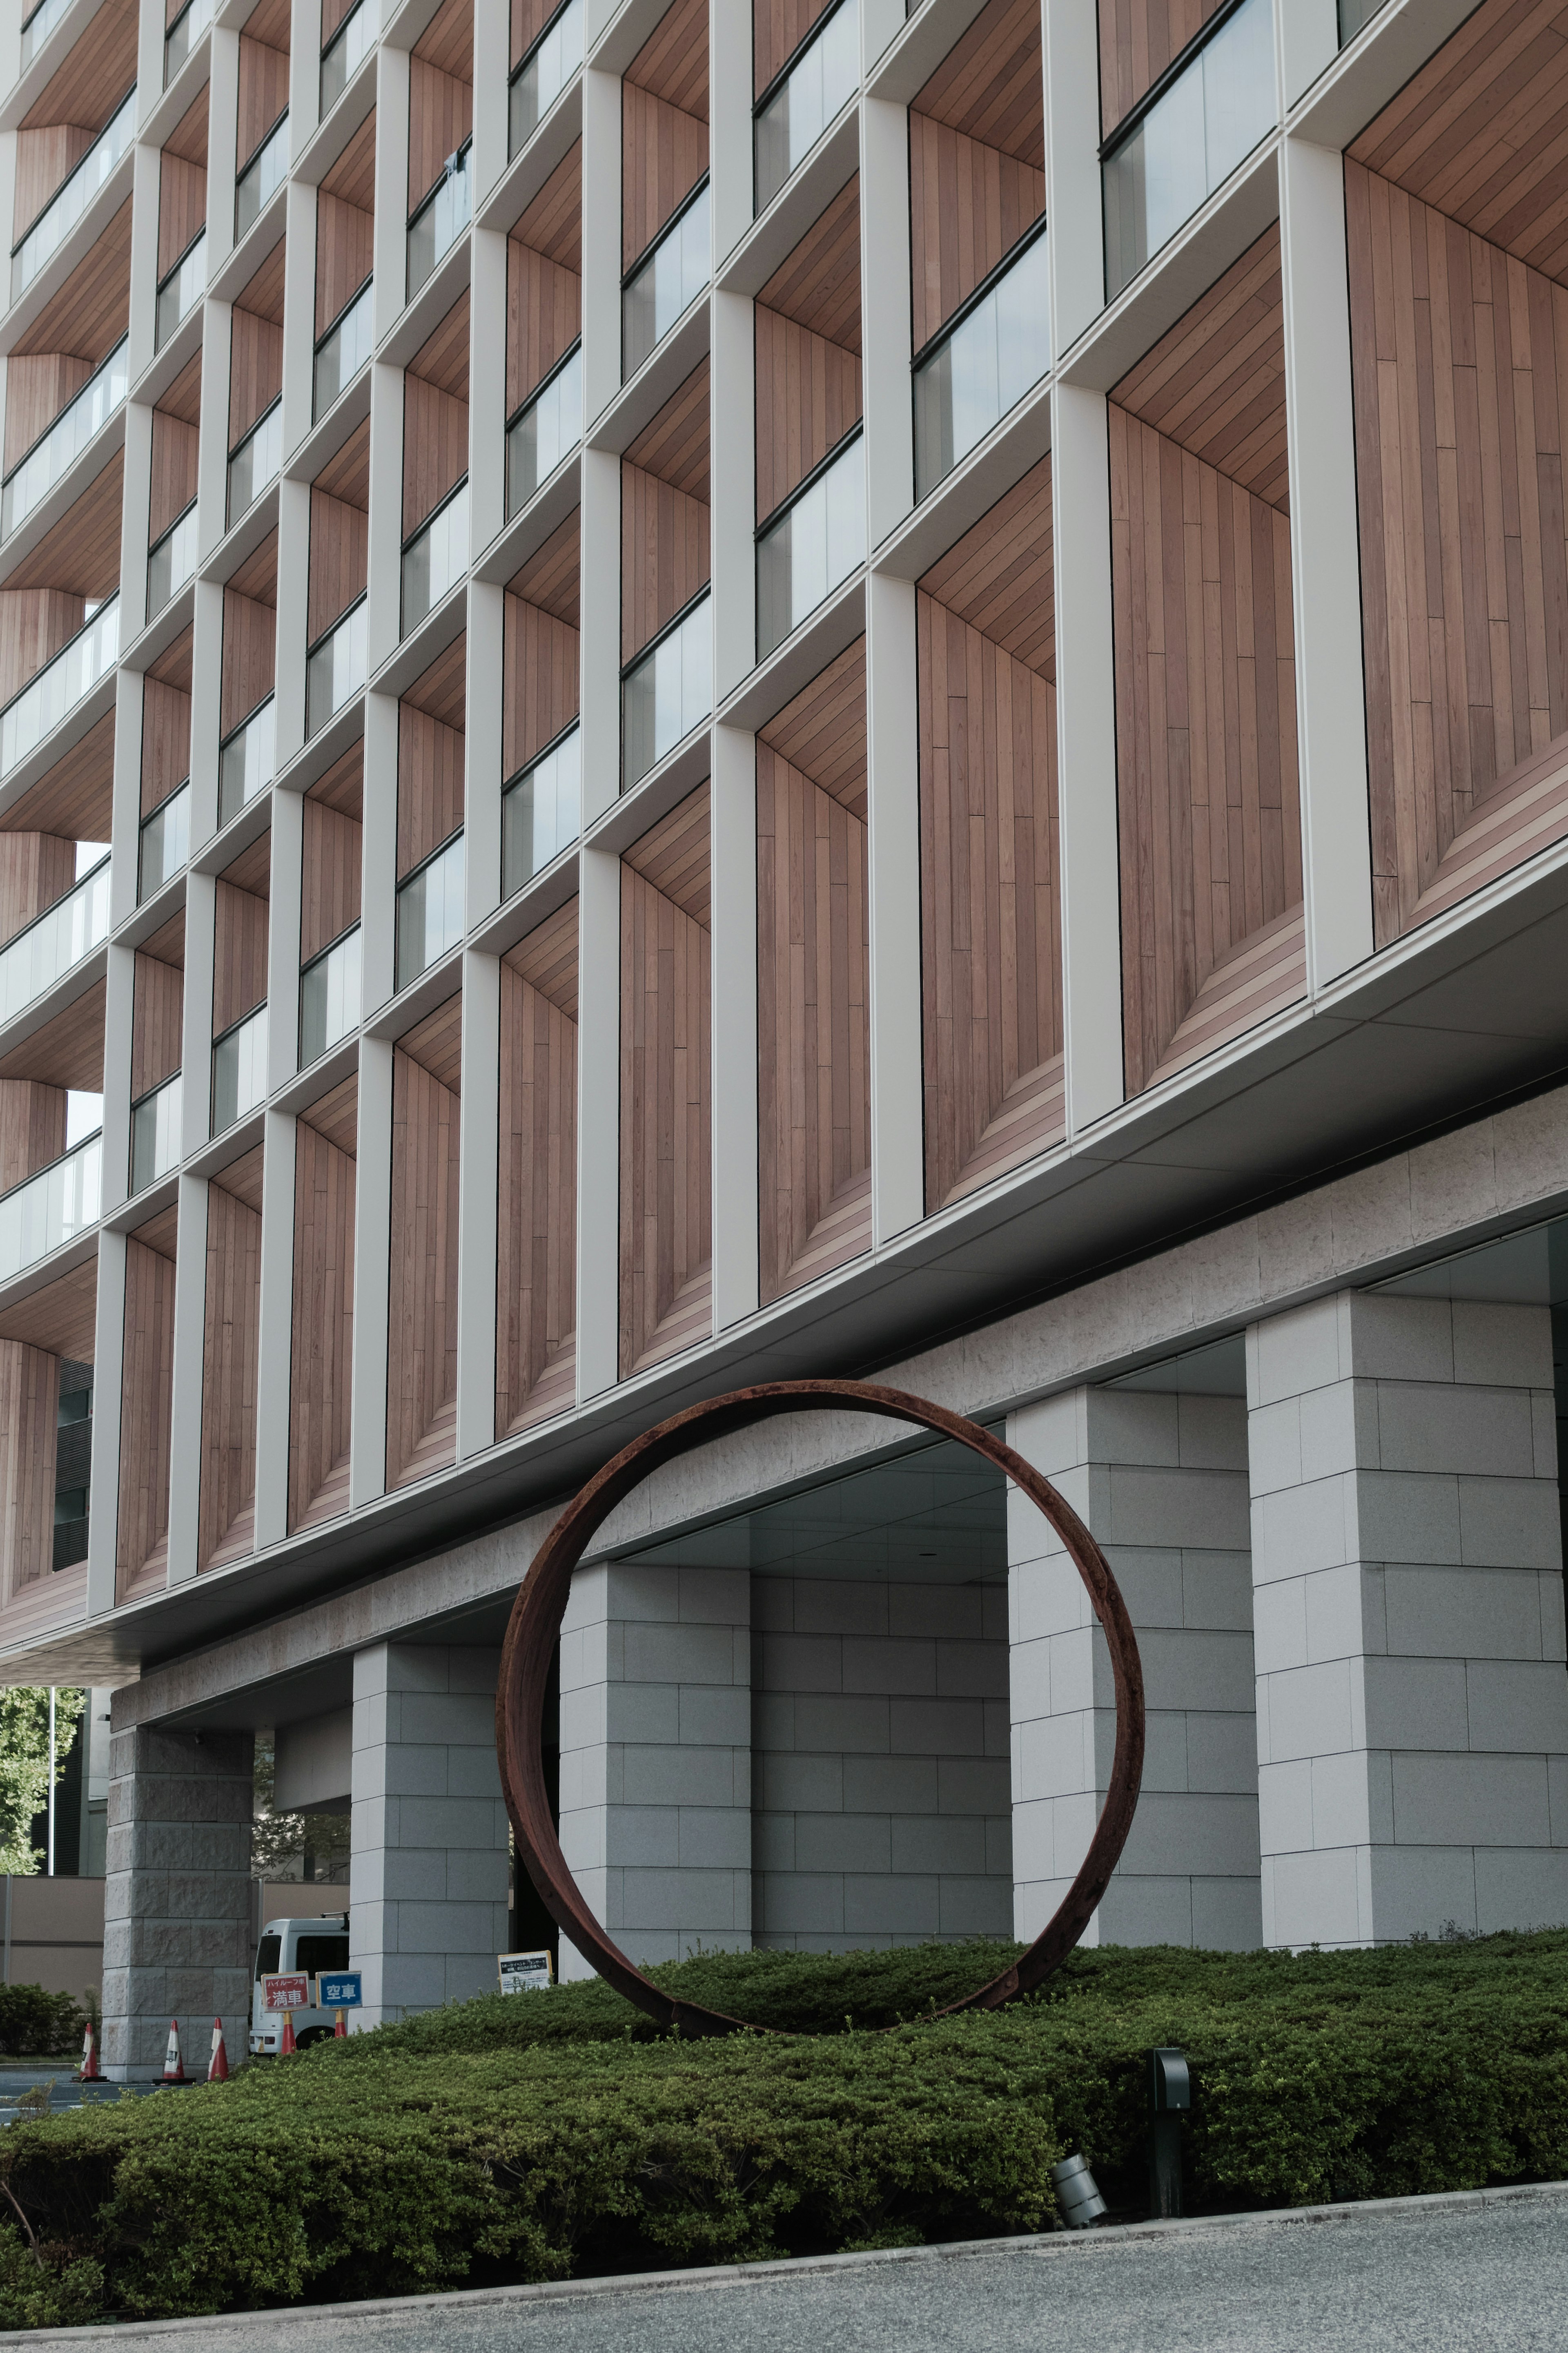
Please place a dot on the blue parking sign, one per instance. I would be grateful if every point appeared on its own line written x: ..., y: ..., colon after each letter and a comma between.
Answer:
x: 339, y: 1990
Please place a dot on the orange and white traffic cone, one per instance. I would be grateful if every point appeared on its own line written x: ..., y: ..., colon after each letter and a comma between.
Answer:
x: 89, y: 2072
x: 173, y: 2069
x: 286, y: 2040
x: 340, y: 2031
x: 217, y: 2067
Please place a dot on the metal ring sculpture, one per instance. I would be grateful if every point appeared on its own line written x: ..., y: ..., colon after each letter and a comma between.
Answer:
x: 535, y: 1628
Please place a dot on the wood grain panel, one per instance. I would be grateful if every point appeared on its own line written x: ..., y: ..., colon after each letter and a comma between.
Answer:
x: 340, y: 561
x: 156, y: 1024
x: 991, y: 84
x: 239, y: 956
x: 165, y: 741
x: 1205, y: 696
x: 536, y: 1264
x: 73, y: 798
x: 808, y: 398
x: 35, y: 623
x: 1138, y: 40
x: 817, y: 283
x: 422, y: 1356
x: 440, y: 118
x: 61, y: 1317
x: 89, y: 314
x: 1217, y: 382
x: 343, y: 787
x: 1460, y: 403
x: 230, y: 1339
x: 674, y: 855
x: 969, y: 204
x: 45, y: 158
x: 673, y: 61
x: 1479, y: 133
x: 36, y: 389
x: 664, y: 153
x: 1000, y: 577
x: 81, y: 554
x: 249, y: 655
x: 36, y: 869
x: 435, y: 448
x: 666, y: 554
x: 346, y: 239
x: 330, y: 878
x: 823, y: 732
x: 255, y: 370
x: 95, y: 73
x: 68, y: 1051
x: 430, y: 763
x: 778, y: 29
x: 146, y: 1407
x: 814, y: 1083
x: 29, y: 1415
x: 322, y: 1371
x: 541, y: 682
x: 528, y: 20
x: 335, y: 1114
x: 544, y: 319
x: 174, y: 451
x: 989, y: 906
x: 263, y: 94
x: 441, y: 691
x: 182, y: 209
x: 32, y: 1128
x: 666, y: 1177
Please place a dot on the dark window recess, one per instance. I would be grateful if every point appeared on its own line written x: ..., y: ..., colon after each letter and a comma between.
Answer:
x: 267, y: 1956
x: 73, y: 1466
x: 531, y: 1927
x: 313, y: 1953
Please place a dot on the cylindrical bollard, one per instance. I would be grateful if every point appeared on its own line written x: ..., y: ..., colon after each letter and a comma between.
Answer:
x: 1078, y: 2193
x: 1170, y: 2096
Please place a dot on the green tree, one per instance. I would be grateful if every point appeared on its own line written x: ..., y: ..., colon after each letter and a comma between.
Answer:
x: 25, y: 1767
x: 319, y: 1841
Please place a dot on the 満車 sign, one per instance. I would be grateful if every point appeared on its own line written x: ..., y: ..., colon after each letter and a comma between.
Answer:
x: 290, y: 1992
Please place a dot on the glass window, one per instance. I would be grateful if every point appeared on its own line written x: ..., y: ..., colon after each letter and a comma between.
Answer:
x: 542, y: 812
x: 54, y: 941
x: 431, y: 911
x: 435, y: 558
x: 268, y: 1952
x: 246, y: 761
x: 172, y: 562
x: 815, y: 544
x: 60, y: 685
x: 667, y: 692
x: 1190, y: 139
x: 262, y: 176
x: 335, y: 667
x: 40, y: 25
x: 51, y: 1209
x: 440, y: 219
x: 544, y: 74
x: 165, y: 841
x: 33, y: 476
x: 155, y: 1133
x: 1355, y: 17
x: 328, y: 997
x: 820, y: 82
x: 314, y: 1954
x: 982, y: 367
x: 667, y: 284
x: 240, y: 1069
x: 256, y: 461
x: 350, y: 44
x: 73, y: 195
x: 184, y: 33
x: 343, y: 350
x: 543, y: 432
x: 178, y: 293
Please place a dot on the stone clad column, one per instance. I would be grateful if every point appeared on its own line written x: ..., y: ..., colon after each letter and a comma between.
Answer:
x: 1411, y: 1698
x: 1161, y: 1482
x: 177, y: 1894
x: 655, y: 1757
x: 428, y: 1875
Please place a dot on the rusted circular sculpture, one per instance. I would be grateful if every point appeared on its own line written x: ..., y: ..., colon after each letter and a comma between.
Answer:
x: 535, y: 1628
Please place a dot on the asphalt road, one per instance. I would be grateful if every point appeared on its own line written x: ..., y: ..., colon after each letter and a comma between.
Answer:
x: 1402, y: 2277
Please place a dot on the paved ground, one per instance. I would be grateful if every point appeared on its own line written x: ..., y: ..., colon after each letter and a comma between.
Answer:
x: 1488, y: 2274
x: 19, y: 2082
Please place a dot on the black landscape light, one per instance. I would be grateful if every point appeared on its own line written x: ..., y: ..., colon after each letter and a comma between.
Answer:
x: 1170, y: 2093
x: 1078, y: 2193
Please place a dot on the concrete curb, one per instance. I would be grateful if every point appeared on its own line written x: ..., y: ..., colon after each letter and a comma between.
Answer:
x: 1066, y: 2243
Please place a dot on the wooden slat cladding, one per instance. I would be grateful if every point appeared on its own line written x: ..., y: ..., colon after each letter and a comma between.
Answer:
x: 239, y: 954
x: 166, y: 724
x: 330, y: 877
x: 29, y: 1416
x: 1461, y: 403
x: 345, y: 224
x: 1217, y: 382
x: 541, y: 685
x: 249, y: 654
x: 36, y: 389
x: 44, y: 159
x: 255, y: 368
x: 666, y: 554
x: 174, y: 451
x: 95, y: 73
x: 1205, y: 695
x: 823, y: 732
x: 808, y: 352
x: 183, y: 185
x: 230, y: 1340
x: 666, y: 1173
x: 1479, y: 131
x: 60, y: 1317
x: 89, y: 313
x: 813, y: 1028
x: 779, y: 27
x: 81, y: 554
x: 1138, y: 40
x: 32, y: 1128
x: 422, y: 1358
x: 990, y: 917
x: 141, y: 1550
x: 36, y: 869
x: 544, y: 280
x: 35, y: 623
x: 157, y: 1018
x: 440, y: 95
x: 436, y: 417
x: 263, y: 93
x: 68, y: 1051
x: 322, y: 1376
x: 430, y: 763
x: 528, y: 20
x: 536, y: 1264
x: 976, y: 158
x: 664, y: 125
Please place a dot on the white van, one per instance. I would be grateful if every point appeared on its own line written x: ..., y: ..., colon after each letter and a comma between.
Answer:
x: 308, y: 1946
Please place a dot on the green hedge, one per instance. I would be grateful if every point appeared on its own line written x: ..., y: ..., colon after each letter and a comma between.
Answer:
x: 33, y: 2023
x: 546, y: 2136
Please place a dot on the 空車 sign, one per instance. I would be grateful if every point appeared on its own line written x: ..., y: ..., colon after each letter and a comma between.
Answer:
x: 290, y: 1992
x: 339, y: 1990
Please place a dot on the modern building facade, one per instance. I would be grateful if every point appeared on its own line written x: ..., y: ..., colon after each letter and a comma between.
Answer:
x: 698, y: 693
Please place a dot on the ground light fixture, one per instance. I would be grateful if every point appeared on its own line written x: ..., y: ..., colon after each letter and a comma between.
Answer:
x: 534, y: 1631
x: 1170, y: 2095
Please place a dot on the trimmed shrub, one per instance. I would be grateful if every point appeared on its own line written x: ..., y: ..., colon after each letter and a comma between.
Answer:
x: 549, y: 2136
x: 38, y: 2024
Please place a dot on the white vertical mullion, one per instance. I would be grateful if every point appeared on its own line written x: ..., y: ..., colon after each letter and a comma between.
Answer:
x: 1325, y: 562
x: 293, y: 594
x: 134, y: 519
x: 601, y: 241
x: 479, y: 1116
x: 274, y: 1368
x: 893, y: 863
x: 222, y: 135
x: 598, y: 1121
x: 212, y: 445
x: 599, y: 544
x: 731, y: 181
x: 283, y: 937
x: 108, y: 1382
x: 146, y: 187
x: 885, y: 316
x: 373, y: 1271
x: 735, y: 1037
x: 1074, y: 202
x: 119, y: 1017
x: 299, y: 314
x: 487, y: 390
x: 186, y: 1416
x: 125, y: 821
x: 492, y: 98
x: 196, y: 1023
x: 732, y: 460
x: 390, y: 238
x: 383, y: 609
x: 304, y: 75
x: 378, y: 877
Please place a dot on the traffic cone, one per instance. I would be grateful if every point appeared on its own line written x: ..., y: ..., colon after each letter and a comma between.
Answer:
x: 286, y: 2040
x: 217, y: 2067
x: 173, y: 2070
x: 339, y: 2030
x: 89, y: 2072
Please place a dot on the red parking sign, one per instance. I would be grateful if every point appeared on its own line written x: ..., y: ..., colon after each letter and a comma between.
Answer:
x: 292, y: 1992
